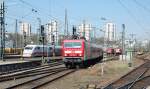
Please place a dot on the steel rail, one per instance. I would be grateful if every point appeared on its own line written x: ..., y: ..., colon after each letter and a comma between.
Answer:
x: 123, y: 79
x: 54, y: 79
x: 42, y: 80
x: 138, y: 78
x: 23, y: 69
x: 30, y: 70
x: 130, y: 84
x: 29, y: 74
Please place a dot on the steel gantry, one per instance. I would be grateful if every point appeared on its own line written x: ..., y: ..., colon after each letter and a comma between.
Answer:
x: 2, y: 30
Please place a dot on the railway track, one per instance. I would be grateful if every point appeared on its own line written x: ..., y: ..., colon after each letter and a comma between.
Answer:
x: 128, y: 80
x: 39, y: 81
x: 141, y: 83
x: 30, y: 72
x: 53, y: 63
x: 33, y: 78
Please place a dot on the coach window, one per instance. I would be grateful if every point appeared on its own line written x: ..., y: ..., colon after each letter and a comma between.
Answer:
x: 50, y: 49
x: 45, y: 48
x: 38, y: 48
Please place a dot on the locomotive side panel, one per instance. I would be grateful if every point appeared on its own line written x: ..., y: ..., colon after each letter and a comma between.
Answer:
x: 83, y: 54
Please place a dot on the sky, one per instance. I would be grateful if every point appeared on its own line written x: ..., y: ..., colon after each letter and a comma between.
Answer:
x: 135, y: 14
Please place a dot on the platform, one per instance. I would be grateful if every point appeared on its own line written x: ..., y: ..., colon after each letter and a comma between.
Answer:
x: 18, y: 63
x: 11, y: 62
x: 14, y: 65
x: 40, y: 58
x: 12, y: 56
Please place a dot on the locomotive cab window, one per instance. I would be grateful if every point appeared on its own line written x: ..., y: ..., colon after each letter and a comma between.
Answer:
x: 72, y: 44
x: 28, y: 48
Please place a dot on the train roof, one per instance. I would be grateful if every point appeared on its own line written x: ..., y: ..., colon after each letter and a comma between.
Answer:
x: 73, y: 40
x: 58, y: 46
x: 34, y: 45
x: 96, y: 45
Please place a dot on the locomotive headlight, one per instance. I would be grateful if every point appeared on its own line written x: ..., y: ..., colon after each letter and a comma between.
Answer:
x: 80, y: 54
x: 67, y: 51
x: 65, y: 54
x: 78, y: 51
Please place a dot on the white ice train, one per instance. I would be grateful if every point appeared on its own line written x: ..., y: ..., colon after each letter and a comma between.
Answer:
x: 37, y: 51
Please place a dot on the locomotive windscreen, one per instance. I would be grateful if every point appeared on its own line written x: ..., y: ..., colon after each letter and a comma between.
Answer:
x: 72, y: 44
x: 28, y: 48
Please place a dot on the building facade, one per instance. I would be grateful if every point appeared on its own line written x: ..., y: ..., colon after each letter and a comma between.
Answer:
x: 85, y: 31
x: 52, y: 32
x: 26, y: 32
x: 25, y: 28
x: 110, y: 32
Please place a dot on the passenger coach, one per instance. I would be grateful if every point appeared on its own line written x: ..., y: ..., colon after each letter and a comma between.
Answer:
x: 37, y: 50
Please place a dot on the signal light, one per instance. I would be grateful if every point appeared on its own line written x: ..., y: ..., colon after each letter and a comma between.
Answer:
x: 42, y: 30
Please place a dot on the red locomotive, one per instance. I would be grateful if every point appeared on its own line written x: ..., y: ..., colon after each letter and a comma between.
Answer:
x: 110, y: 51
x: 79, y: 52
x: 114, y: 51
x: 118, y: 51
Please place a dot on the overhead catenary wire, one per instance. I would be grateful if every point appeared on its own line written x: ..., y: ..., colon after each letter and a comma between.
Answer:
x: 141, y: 5
x: 28, y: 4
x: 34, y: 9
x: 20, y: 18
x: 37, y: 9
x: 19, y: 21
x: 14, y: 17
x: 131, y: 15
